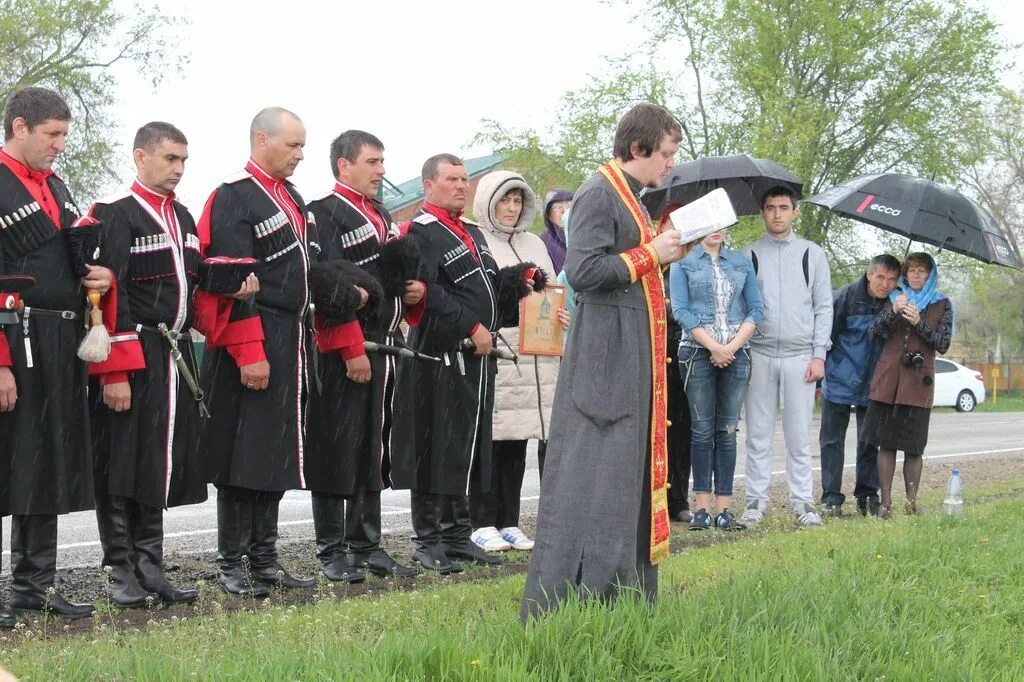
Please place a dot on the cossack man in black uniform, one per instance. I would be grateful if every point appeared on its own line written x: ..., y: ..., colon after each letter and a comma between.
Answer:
x: 353, y: 430
x: 145, y: 415
x: 45, y: 454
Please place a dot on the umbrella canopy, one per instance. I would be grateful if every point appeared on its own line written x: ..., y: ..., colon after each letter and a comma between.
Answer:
x: 922, y: 210
x: 743, y: 177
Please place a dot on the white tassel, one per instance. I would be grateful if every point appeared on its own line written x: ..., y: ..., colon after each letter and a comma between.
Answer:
x: 96, y: 344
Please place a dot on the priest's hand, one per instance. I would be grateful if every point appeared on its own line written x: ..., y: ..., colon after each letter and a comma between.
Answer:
x: 256, y: 376
x: 482, y: 339
x: 99, y: 278
x: 668, y: 247
x: 564, y: 317
x: 815, y: 371
x: 118, y: 397
x: 358, y: 369
x: 414, y: 292
x: 250, y: 286
x: 8, y: 390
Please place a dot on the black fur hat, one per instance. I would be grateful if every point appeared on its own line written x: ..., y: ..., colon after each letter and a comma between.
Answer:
x: 399, y: 262
x: 85, y: 244
x: 512, y: 284
x: 332, y: 289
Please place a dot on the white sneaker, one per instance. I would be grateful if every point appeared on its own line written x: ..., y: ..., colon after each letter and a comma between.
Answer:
x: 809, y: 517
x: 489, y: 540
x: 752, y: 515
x: 517, y: 538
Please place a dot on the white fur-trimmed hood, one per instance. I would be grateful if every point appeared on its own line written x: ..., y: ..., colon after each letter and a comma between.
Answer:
x: 491, y: 188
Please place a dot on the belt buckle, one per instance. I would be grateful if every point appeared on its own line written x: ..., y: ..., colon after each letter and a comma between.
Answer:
x: 68, y: 315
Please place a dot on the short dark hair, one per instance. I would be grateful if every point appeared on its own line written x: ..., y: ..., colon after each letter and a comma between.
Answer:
x: 644, y: 124
x: 885, y: 262
x: 155, y: 132
x: 514, y: 190
x: 349, y: 144
x: 918, y: 258
x: 35, y: 105
x: 429, y: 171
x: 778, y: 191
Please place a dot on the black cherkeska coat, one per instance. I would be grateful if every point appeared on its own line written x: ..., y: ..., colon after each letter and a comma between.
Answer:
x: 452, y: 401
x: 150, y: 452
x: 45, y: 455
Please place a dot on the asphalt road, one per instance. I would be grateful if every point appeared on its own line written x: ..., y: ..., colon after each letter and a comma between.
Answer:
x: 193, y: 529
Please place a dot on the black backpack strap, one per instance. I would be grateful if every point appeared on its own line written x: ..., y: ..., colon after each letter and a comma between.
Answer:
x: 807, y: 272
x: 753, y: 259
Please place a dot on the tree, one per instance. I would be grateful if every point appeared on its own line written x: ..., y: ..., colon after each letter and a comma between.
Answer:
x: 829, y: 88
x: 71, y: 46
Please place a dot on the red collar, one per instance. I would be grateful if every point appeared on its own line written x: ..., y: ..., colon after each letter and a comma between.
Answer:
x: 454, y: 223
x: 155, y: 199
x: 23, y: 171
x: 354, y: 195
x: 262, y: 175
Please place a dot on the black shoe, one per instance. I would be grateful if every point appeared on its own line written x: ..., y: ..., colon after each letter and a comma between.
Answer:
x: 338, y: 569
x: 833, y: 510
x: 7, y: 618
x: 234, y: 581
x: 125, y: 590
x: 682, y: 516
x: 701, y: 520
x: 381, y: 564
x: 54, y: 603
x: 276, y: 575
x: 868, y: 505
x: 433, y: 558
x: 464, y: 548
x: 726, y: 520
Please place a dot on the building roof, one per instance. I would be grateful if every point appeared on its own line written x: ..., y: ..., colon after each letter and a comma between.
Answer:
x: 411, y: 191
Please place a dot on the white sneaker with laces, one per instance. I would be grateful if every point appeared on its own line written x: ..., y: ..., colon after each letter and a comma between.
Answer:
x: 752, y: 515
x: 517, y: 538
x: 809, y: 518
x: 489, y: 540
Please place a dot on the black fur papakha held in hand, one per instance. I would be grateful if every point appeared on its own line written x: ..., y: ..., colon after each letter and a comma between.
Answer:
x: 224, y: 275
x: 516, y: 282
x: 85, y: 245
x: 332, y: 286
x: 400, y: 262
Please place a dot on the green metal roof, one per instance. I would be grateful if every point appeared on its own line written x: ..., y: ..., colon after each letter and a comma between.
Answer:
x: 409, y: 192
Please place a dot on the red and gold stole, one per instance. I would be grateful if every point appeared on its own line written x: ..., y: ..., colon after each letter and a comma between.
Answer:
x: 644, y: 265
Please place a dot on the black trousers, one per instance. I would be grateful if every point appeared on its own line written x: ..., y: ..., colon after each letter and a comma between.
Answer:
x: 835, y: 420
x: 678, y: 444
x: 499, y: 507
x: 440, y: 518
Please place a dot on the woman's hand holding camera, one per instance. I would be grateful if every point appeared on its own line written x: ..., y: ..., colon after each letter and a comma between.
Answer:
x: 911, y: 314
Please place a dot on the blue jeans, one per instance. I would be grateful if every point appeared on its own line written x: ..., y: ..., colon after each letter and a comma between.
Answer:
x: 716, y: 396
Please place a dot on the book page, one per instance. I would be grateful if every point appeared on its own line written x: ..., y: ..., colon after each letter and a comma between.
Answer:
x: 698, y: 219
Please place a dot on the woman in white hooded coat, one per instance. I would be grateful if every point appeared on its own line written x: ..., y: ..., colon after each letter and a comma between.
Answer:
x: 505, y: 208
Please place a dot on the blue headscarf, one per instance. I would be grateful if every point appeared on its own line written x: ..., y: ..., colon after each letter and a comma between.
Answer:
x: 927, y: 295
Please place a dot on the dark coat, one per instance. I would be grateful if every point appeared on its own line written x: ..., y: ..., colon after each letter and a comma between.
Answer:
x: 46, y: 457
x: 896, y: 383
x: 851, y: 361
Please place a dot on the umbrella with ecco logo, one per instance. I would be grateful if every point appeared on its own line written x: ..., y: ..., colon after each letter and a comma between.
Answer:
x: 923, y: 211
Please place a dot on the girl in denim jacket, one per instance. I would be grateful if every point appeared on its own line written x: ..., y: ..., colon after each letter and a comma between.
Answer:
x: 716, y: 301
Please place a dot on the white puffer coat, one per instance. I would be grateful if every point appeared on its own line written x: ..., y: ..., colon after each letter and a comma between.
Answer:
x: 523, y: 396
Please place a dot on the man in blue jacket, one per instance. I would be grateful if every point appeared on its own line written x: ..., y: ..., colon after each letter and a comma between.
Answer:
x: 848, y: 370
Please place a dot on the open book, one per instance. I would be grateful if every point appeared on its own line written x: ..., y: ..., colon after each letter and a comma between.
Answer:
x: 698, y: 219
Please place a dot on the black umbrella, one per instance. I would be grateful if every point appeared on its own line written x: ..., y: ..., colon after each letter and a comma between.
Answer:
x: 743, y: 177
x: 922, y: 210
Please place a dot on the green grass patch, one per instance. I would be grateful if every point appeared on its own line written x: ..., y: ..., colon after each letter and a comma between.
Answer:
x: 1004, y: 402
x: 914, y: 598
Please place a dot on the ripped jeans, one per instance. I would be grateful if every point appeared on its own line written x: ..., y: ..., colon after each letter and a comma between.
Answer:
x: 716, y: 396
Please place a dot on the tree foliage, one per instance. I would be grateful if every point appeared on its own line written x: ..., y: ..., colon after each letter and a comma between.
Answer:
x: 829, y: 88
x: 72, y: 46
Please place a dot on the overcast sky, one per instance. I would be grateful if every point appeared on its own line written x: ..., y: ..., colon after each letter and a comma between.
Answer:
x: 419, y: 75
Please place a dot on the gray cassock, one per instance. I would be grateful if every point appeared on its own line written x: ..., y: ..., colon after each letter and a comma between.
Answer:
x: 593, y: 524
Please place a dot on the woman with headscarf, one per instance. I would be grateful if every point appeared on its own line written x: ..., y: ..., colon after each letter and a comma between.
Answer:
x: 505, y: 206
x: 917, y: 323
x: 556, y: 205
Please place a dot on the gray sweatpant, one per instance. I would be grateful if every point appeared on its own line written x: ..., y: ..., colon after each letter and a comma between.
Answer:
x: 770, y: 379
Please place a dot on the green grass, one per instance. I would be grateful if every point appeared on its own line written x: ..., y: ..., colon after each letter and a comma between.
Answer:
x: 915, y: 598
x: 1005, y: 402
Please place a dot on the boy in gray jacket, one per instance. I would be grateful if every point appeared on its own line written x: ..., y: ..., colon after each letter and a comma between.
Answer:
x: 787, y: 356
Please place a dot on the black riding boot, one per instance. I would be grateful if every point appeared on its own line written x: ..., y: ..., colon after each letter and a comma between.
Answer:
x: 362, y: 537
x: 7, y: 617
x: 328, y: 513
x: 426, y: 523
x: 457, y: 529
x: 149, y: 556
x: 263, y: 548
x: 34, y: 565
x: 234, y: 520
x: 112, y: 517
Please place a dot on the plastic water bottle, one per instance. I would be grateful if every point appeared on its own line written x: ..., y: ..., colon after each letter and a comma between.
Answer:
x: 953, y: 503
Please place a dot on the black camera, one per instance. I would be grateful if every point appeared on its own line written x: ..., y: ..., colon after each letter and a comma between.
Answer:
x: 915, y: 359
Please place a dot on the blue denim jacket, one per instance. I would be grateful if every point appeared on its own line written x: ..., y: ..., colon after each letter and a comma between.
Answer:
x: 691, y: 285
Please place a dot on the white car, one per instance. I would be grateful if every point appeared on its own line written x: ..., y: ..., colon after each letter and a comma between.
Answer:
x: 958, y: 386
